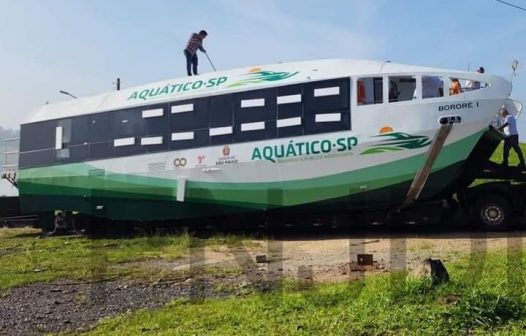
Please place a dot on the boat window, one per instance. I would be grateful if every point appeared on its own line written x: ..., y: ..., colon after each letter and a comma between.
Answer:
x: 221, y: 119
x: 472, y: 85
x: 73, y: 145
x: 133, y: 149
x: 126, y: 123
x: 37, y: 158
x: 99, y: 128
x: 289, y: 110
x: 99, y: 150
x: 62, y: 136
x: 185, y: 140
x: 402, y: 88
x: 461, y: 85
x: 255, y: 115
x: 370, y: 91
x: 326, y: 106
x: 326, y: 96
x: 157, y: 120
x: 432, y: 87
x: 192, y: 116
x: 455, y: 87
x: 37, y: 136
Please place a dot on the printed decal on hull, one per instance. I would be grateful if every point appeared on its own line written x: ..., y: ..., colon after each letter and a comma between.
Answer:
x: 257, y: 76
x: 396, y: 142
x: 305, y: 150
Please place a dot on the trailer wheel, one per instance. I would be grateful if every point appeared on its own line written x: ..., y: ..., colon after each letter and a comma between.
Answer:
x: 492, y: 212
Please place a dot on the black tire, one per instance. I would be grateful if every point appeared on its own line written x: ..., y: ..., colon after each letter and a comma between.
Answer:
x: 492, y: 212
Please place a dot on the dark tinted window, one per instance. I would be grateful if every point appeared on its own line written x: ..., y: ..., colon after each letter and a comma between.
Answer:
x: 196, y: 119
x: 312, y: 126
x: 128, y: 150
x: 157, y: 125
x: 269, y: 132
x: 128, y: 123
x: 158, y: 148
x: 37, y: 158
x: 290, y: 131
x: 221, y: 111
x: 72, y: 154
x: 255, y: 115
x: 326, y: 106
x: 37, y: 136
x: 79, y: 130
x: 222, y: 139
x: 318, y: 101
x: 99, y: 150
x: 289, y: 110
x: 100, y: 127
x: 245, y: 113
x: 200, y: 139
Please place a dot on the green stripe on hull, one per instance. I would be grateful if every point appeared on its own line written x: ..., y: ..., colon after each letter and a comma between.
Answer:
x: 75, y: 187
x: 151, y: 210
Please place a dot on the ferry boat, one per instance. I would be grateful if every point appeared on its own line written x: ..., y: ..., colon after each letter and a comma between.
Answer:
x: 331, y: 134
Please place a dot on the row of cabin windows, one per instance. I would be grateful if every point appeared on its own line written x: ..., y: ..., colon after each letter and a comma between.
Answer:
x: 287, y: 111
x: 370, y: 90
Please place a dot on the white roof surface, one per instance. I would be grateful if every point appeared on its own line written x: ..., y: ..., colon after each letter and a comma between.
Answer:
x: 222, y: 82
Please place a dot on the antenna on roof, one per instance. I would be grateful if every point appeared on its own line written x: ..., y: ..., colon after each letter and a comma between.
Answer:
x: 67, y: 94
x: 117, y: 84
x: 514, y: 67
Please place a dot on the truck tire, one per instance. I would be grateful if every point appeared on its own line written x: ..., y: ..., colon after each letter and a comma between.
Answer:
x: 492, y: 212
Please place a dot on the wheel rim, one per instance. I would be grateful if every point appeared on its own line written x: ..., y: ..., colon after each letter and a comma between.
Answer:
x: 492, y: 215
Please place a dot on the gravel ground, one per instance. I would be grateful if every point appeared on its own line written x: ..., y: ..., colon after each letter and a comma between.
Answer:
x: 39, y: 309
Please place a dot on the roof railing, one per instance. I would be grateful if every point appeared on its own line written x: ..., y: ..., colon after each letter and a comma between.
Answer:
x: 10, y: 166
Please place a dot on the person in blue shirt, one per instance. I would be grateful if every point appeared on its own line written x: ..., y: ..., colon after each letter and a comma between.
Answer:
x: 512, y: 137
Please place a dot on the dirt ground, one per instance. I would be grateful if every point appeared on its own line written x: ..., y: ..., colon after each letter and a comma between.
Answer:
x: 333, y: 257
x: 219, y: 272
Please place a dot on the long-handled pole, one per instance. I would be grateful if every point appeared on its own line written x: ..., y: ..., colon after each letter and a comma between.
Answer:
x: 212, y: 64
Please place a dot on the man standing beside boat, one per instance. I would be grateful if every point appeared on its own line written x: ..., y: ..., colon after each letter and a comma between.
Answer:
x: 194, y: 43
x: 512, y: 137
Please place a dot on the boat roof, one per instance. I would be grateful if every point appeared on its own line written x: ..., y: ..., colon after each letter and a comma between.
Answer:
x: 222, y: 82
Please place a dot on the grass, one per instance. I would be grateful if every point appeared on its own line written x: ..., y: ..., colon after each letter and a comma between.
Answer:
x: 497, y: 158
x: 26, y: 259
x: 471, y: 304
x: 513, y: 158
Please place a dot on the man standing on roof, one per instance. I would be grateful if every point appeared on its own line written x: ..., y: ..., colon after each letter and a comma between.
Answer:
x: 512, y: 137
x: 194, y: 43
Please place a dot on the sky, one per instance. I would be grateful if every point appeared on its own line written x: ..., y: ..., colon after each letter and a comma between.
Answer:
x: 82, y: 46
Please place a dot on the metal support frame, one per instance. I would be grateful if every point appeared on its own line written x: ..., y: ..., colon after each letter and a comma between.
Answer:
x: 422, y: 174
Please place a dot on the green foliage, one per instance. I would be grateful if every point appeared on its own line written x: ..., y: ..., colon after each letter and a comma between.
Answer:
x: 483, y: 310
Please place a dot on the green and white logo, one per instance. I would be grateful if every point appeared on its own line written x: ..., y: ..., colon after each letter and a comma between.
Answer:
x: 258, y: 75
x: 396, y: 142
